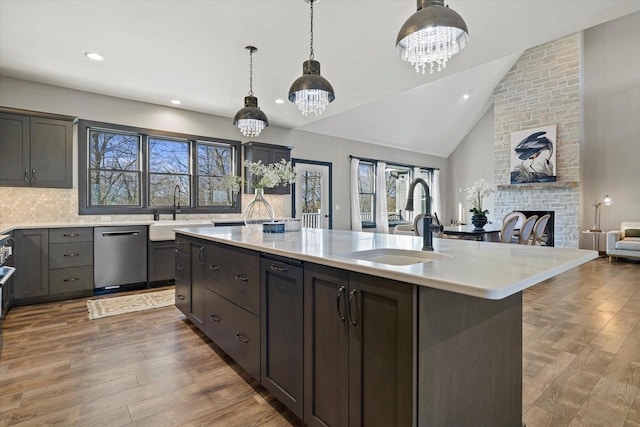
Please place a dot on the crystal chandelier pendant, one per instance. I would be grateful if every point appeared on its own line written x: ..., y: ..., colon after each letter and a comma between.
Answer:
x: 250, y: 119
x: 311, y: 101
x: 250, y: 127
x: 431, y: 36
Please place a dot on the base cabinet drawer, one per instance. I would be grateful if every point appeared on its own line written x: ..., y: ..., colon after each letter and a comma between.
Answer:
x: 182, y: 298
x: 71, y: 235
x: 71, y: 280
x: 235, y: 330
x: 65, y: 255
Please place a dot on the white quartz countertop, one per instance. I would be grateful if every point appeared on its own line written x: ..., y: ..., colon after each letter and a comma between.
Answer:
x: 481, y: 269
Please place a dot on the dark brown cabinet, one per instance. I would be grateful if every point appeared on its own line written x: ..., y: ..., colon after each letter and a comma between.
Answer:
x: 36, y: 151
x: 268, y: 154
x: 160, y: 258
x: 182, y: 275
x: 358, y: 349
x: 282, y: 331
x: 70, y: 261
x: 32, y: 263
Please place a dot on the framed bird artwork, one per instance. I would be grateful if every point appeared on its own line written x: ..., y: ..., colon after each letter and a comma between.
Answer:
x: 533, y: 155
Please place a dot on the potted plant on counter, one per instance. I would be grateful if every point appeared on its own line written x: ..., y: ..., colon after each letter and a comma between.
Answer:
x: 475, y: 195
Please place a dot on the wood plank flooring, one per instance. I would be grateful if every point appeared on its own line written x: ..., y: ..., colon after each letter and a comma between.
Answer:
x: 581, y: 363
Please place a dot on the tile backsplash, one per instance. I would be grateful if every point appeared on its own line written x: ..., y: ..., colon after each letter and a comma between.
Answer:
x: 20, y: 205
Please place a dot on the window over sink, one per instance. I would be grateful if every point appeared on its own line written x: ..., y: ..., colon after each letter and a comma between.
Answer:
x: 127, y: 170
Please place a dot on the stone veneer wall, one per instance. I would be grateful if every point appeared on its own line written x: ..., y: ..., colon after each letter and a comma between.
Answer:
x: 542, y: 88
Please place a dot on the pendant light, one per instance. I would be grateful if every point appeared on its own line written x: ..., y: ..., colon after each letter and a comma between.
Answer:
x: 250, y: 119
x: 431, y: 36
x: 311, y: 92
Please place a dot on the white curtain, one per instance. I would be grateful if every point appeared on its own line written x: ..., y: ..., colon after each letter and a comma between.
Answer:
x: 436, y: 205
x: 356, y: 218
x: 382, y: 223
x: 417, y: 194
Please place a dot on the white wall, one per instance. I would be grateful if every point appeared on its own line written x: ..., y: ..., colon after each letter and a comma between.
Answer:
x: 472, y: 159
x: 611, y: 154
x: 45, y: 205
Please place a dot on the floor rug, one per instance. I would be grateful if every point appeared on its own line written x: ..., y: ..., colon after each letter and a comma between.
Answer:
x: 113, y: 306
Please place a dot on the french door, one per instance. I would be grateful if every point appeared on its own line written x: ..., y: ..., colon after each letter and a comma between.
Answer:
x: 311, y: 201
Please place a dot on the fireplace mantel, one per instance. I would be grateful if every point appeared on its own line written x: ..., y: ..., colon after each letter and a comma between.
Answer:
x: 539, y: 185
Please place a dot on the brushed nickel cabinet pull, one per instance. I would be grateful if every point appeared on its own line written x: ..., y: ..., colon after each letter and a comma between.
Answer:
x: 201, y: 255
x: 242, y: 338
x: 242, y: 278
x: 179, y: 267
x: 71, y: 255
x: 33, y: 175
x: 278, y: 268
x: 26, y: 174
x: 353, y: 295
x: 341, y: 292
x: 214, y: 267
x: 71, y: 234
x: 180, y: 297
x: 215, y: 318
x: 73, y: 279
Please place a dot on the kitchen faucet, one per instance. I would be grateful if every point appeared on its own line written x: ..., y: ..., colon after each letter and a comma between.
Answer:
x: 427, y: 224
x: 176, y: 208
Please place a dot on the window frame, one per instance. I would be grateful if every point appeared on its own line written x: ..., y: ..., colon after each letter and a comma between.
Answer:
x: 84, y: 205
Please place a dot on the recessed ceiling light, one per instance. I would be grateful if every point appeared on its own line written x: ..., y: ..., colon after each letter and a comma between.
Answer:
x: 465, y: 97
x: 94, y: 56
x: 279, y: 101
x: 176, y: 102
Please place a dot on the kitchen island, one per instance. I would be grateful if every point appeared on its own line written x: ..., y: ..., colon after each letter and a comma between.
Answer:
x: 350, y: 328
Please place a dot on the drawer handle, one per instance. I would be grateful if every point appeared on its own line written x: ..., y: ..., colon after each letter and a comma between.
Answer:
x: 73, y: 279
x: 242, y: 338
x: 33, y: 175
x: 201, y: 255
x: 180, y: 297
x: 278, y: 268
x: 179, y: 267
x: 242, y: 277
x: 71, y: 255
x: 71, y: 235
x: 179, y: 242
x: 26, y: 174
x: 214, y: 267
x: 215, y: 318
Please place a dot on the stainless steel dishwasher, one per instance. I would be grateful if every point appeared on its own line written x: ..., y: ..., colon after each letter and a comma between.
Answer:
x: 120, y: 256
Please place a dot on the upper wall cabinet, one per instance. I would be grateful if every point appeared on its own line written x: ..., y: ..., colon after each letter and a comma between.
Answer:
x: 36, y: 151
x: 267, y: 153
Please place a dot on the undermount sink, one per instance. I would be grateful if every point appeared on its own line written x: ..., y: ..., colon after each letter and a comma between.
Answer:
x: 395, y: 256
x: 163, y: 230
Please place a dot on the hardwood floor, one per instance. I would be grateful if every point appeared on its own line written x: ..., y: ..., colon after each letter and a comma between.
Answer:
x: 581, y: 363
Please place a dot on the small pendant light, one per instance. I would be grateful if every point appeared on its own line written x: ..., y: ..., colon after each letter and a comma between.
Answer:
x: 431, y: 36
x: 311, y: 92
x: 250, y: 119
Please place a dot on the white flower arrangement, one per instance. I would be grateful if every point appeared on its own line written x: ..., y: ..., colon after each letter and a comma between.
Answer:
x: 478, y: 191
x: 263, y: 176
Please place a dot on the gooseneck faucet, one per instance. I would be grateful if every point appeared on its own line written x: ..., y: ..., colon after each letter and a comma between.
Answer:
x: 428, y: 227
x: 176, y: 208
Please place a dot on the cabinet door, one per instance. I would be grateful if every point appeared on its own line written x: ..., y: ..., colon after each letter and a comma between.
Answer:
x: 198, y: 283
x: 51, y: 155
x: 325, y: 346
x: 277, y: 155
x: 281, y: 338
x: 32, y: 263
x: 14, y: 146
x: 381, y: 361
x: 161, y: 256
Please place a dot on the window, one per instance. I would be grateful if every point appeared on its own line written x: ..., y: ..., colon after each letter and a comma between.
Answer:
x: 125, y: 170
x: 114, y: 168
x: 311, y: 190
x: 367, y: 191
x: 397, y: 179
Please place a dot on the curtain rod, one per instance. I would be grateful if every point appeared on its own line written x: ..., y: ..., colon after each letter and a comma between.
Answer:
x: 364, y: 159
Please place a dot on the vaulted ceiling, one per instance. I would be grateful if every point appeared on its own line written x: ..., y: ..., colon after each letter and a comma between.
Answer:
x: 193, y: 50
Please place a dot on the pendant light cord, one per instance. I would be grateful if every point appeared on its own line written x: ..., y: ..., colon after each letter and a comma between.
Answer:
x: 311, y: 38
x: 250, y: 72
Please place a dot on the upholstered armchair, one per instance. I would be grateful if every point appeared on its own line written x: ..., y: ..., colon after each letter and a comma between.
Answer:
x: 624, y: 242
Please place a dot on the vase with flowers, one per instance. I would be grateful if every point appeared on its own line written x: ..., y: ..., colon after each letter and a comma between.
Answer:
x: 475, y: 195
x: 259, y: 210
